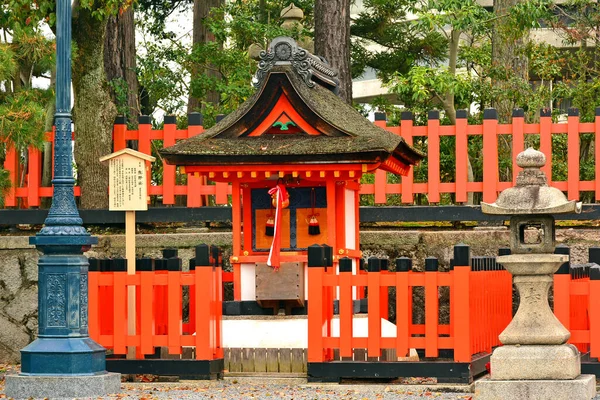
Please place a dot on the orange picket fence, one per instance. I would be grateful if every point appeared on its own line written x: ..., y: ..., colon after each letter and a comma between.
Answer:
x: 160, y: 304
x: 577, y: 301
x: 198, y: 190
x: 480, y: 307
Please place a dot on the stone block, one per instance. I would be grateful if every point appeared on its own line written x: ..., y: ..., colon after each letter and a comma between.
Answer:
x: 25, y: 303
x: 12, y: 339
x: 535, y: 362
x: 57, y: 387
x: 31, y: 269
x: 10, y: 275
x: 581, y: 388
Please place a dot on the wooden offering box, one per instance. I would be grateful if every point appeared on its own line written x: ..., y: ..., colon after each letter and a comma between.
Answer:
x: 285, y: 284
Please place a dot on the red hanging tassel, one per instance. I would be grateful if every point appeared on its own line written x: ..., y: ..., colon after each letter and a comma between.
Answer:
x: 313, y: 222
x: 281, y: 198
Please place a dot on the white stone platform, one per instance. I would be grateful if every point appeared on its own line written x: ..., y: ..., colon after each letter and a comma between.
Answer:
x: 286, y: 331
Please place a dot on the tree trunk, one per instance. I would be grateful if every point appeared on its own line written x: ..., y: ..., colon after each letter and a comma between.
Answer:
x: 201, y: 36
x: 506, y: 60
x: 120, y: 62
x: 94, y: 112
x: 332, y: 40
x: 449, y: 106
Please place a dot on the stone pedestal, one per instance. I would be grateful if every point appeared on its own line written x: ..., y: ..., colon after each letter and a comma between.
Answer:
x: 535, y: 363
x: 65, y: 386
x: 581, y: 388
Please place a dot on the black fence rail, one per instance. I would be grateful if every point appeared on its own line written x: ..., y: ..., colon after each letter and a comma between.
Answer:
x: 223, y: 214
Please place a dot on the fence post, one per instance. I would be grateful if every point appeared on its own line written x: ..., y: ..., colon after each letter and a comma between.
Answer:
x: 403, y: 306
x: 106, y: 296
x: 11, y: 164
x: 380, y: 186
x: 431, y: 307
x: 546, y: 141
x: 216, y: 300
x: 562, y: 294
x: 433, y: 156
x: 374, y: 308
x: 406, y: 133
x: 202, y: 289
x: 34, y: 177
x: 145, y: 145
x: 174, y: 317
x: 170, y: 122
x: 346, y: 308
x: 594, y: 300
x: 384, y: 297
x: 194, y: 183
x: 119, y: 131
x: 573, y: 154
x: 145, y: 266
x: 93, y: 301
x: 120, y: 317
x: 316, y: 317
x: 518, y: 139
x: 461, y: 309
x: 490, y: 151
x: 462, y: 156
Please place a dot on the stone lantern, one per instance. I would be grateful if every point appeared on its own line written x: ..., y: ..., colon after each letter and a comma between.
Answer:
x: 535, y: 360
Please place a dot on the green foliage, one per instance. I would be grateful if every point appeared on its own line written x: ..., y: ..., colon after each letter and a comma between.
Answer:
x: 7, y: 62
x: 248, y: 25
x: 24, y: 54
x: 401, y: 46
x: 166, y: 65
x: 121, y: 91
x: 236, y: 71
x: 22, y: 120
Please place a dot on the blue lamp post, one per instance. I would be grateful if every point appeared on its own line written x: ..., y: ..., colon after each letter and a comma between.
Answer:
x: 63, y: 361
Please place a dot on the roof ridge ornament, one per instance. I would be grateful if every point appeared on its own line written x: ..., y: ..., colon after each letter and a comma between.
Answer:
x: 284, y: 50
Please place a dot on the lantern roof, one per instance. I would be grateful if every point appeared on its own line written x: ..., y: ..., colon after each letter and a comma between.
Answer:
x: 294, y: 117
x: 531, y: 195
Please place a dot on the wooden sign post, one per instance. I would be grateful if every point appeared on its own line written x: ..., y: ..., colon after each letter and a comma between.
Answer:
x: 128, y: 192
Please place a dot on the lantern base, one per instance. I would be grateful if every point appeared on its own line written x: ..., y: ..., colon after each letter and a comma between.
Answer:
x: 62, y: 386
x: 535, y: 362
x: 581, y: 388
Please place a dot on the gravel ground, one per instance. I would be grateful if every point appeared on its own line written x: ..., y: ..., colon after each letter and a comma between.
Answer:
x: 262, y: 389
x: 288, y: 388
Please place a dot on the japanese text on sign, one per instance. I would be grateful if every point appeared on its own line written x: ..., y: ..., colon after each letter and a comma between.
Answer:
x: 127, y: 184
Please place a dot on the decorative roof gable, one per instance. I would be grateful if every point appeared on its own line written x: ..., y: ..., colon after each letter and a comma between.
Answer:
x: 294, y: 117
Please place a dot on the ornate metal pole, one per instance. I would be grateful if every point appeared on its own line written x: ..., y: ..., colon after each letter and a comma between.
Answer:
x: 63, y: 361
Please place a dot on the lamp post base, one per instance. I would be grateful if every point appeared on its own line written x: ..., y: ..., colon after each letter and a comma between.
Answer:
x: 62, y: 386
x: 63, y: 356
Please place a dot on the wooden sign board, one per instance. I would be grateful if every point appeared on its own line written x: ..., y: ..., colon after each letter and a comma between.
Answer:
x: 127, y: 180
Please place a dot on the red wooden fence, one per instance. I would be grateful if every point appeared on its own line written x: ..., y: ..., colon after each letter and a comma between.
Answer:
x: 576, y: 305
x: 197, y: 190
x: 480, y: 309
x: 159, y: 304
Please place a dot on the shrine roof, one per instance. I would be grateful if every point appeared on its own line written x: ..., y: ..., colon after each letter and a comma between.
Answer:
x: 326, y: 129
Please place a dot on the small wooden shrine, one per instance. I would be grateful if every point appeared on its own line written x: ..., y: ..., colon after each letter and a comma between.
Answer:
x: 294, y: 154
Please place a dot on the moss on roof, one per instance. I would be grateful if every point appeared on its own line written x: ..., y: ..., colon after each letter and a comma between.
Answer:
x: 357, y: 135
